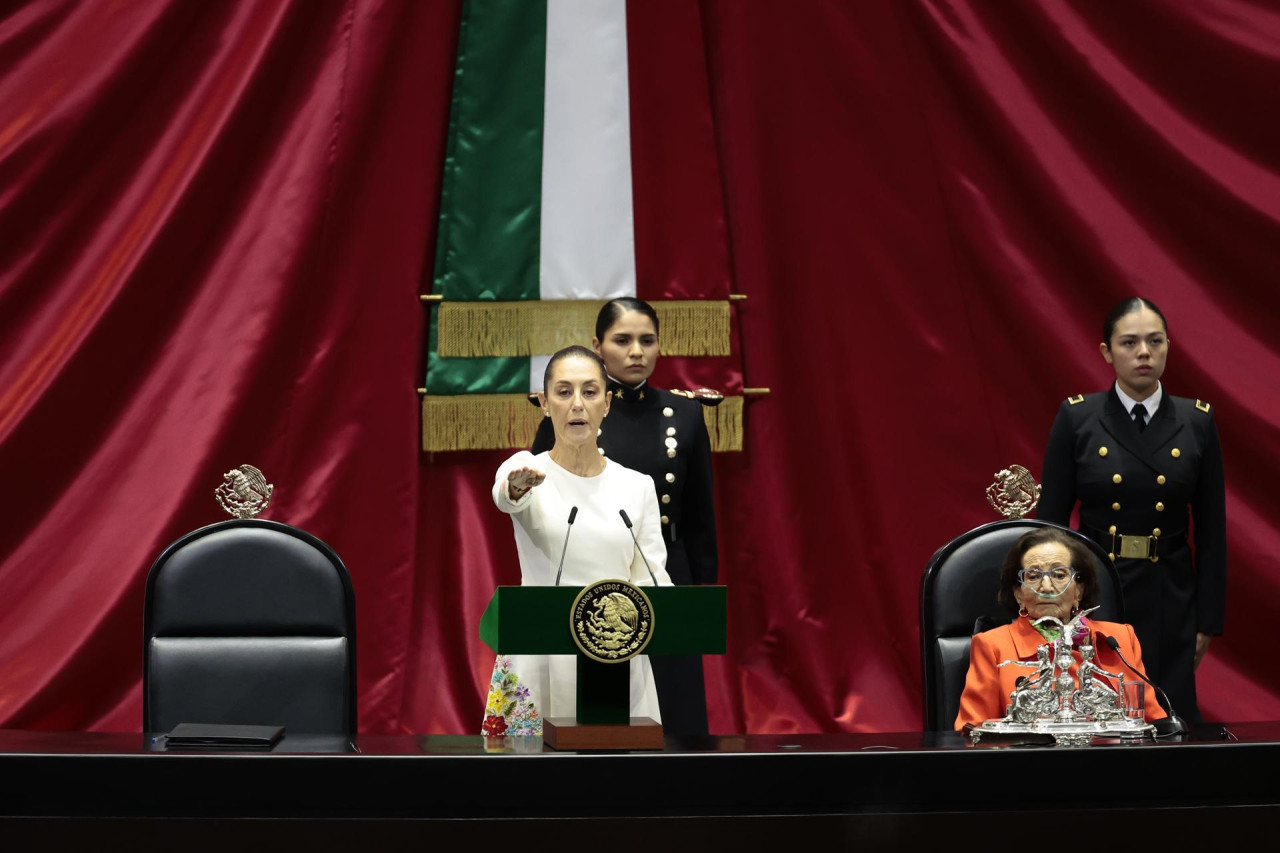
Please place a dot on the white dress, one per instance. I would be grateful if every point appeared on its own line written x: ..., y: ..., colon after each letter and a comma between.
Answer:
x: 525, y: 688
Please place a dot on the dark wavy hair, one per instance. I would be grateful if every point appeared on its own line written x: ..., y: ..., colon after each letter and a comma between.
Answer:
x: 1081, y: 560
x: 574, y: 351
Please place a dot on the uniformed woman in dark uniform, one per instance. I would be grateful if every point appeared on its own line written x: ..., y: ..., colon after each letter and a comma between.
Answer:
x: 662, y: 434
x: 1145, y: 467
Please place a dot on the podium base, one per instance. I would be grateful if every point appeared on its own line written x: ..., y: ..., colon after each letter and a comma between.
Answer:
x: 568, y: 734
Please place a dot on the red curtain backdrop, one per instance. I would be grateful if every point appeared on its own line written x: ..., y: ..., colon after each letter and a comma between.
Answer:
x: 214, y: 223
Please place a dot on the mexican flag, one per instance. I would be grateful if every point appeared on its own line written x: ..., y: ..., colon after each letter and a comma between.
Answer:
x: 581, y: 165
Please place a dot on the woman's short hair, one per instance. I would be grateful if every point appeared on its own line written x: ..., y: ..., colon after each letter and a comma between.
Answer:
x: 1082, y: 560
x: 613, y: 310
x: 574, y: 351
x: 1127, y: 306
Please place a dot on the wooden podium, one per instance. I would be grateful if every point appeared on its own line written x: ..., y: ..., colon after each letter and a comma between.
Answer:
x: 537, y: 620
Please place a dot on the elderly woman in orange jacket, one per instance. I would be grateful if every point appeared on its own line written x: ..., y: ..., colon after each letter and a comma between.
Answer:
x: 1046, y: 573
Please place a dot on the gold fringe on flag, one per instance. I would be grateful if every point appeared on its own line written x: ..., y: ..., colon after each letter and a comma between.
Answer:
x: 508, y: 422
x: 484, y: 329
x: 478, y: 422
x: 693, y: 328
x: 724, y: 423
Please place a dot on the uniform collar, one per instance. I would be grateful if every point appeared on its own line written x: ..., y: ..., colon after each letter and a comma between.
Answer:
x: 1162, y: 425
x: 630, y: 394
x: 1152, y: 403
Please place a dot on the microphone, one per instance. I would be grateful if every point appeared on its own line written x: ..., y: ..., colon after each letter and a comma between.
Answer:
x: 573, y: 513
x: 1170, y: 725
x: 639, y: 550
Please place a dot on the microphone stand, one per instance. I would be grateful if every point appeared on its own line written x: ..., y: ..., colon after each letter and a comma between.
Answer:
x: 639, y: 550
x: 1170, y: 725
x: 573, y: 513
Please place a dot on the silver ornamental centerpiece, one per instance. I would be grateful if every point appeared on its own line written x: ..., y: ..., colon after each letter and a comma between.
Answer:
x: 244, y: 492
x: 1050, y: 701
x: 1014, y: 493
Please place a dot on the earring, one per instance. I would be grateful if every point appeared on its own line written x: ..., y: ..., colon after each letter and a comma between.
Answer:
x: 546, y: 413
x: 1022, y: 611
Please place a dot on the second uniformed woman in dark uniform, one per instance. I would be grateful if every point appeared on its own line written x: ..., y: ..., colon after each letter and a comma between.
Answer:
x: 1144, y: 465
x: 662, y: 434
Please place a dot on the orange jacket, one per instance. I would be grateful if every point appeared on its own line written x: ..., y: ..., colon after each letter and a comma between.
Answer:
x: 987, y: 686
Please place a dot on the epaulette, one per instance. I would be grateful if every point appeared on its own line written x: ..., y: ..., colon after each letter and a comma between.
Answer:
x: 1202, y: 406
x: 705, y: 396
x: 1079, y: 398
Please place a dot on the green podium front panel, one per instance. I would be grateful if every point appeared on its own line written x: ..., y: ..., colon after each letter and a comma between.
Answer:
x: 534, y: 620
x: 529, y: 620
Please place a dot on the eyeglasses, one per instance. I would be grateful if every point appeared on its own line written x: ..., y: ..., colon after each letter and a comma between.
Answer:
x: 1057, y: 577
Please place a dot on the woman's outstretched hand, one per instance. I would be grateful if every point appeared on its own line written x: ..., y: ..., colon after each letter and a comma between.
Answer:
x: 521, y: 480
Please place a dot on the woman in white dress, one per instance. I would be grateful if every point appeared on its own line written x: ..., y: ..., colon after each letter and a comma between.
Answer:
x: 539, y: 492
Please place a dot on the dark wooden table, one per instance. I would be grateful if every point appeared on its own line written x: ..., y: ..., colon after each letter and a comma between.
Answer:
x: 754, y: 791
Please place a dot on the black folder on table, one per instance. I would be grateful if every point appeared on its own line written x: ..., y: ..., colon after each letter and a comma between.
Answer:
x: 211, y: 736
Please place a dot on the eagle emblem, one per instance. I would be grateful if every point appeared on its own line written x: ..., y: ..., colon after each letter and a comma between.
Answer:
x: 611, y: 621
x: 1014, y: 493
x: 244, y: 492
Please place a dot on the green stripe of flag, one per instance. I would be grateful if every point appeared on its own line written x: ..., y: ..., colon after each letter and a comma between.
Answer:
x: 487, y: 247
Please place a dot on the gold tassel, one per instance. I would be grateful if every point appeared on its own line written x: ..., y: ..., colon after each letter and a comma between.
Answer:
x: 508, y: 422
x: 693, y: 328
x: 478, y: 422
x: 484, y: 329
x: 724, y: 423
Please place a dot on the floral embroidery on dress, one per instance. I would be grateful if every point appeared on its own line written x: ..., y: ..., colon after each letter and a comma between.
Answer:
x: 509, y: 708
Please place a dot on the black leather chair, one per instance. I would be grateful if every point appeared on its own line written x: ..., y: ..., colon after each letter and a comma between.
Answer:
x: 958, y: 600
x: 250, y: 622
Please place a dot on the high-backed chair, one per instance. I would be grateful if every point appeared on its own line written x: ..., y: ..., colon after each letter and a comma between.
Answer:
x: 250, y: 622
x: 958, y: 599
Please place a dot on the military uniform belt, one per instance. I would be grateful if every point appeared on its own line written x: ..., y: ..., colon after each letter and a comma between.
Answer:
x: 1128, y: 546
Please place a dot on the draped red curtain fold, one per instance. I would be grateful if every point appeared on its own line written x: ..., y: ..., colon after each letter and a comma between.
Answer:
x: 215, y: 219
